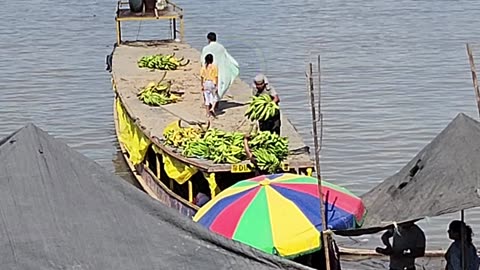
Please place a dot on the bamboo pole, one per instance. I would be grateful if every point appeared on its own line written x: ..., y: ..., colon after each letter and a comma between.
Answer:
x: 315, y: 120
x: 476, y: 89
x: 474, y: 76
x: 320, y: 105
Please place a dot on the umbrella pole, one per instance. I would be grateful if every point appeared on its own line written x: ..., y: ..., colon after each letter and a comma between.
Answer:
x: 462, y: 239
x: 476, y: 89
x: 315, y: 119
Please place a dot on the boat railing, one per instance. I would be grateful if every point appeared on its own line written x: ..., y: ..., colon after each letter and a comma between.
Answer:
x: 173, y: 13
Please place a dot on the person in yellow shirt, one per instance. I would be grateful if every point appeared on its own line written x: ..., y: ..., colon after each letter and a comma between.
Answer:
x: 209, y: 75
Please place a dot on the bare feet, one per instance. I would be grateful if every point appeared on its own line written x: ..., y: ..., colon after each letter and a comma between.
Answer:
x: 213, y: 114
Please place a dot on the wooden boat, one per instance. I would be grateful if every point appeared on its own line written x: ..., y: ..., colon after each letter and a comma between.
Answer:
x: 147, y: 123
x: 139, y: 127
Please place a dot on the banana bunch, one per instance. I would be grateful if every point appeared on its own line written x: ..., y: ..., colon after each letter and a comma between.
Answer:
x: 161, y: 61
x: 156, y: 94
x: 269, y: 150
x: 181, y: 137
x: 266, y: 160
x: 261, y: 108
x: 218, y: 146
x: 271, y: 142
x: 157, y: 99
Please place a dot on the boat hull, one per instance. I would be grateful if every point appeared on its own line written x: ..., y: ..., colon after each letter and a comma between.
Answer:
x: 150, y: 183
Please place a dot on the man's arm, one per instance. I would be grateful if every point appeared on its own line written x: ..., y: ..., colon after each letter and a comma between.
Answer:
x: 419, y: 250
x: 274, y: 94
x: 276, y: 99
x: 386, y: 238
x: 388, y: 250
x: 254, y: 91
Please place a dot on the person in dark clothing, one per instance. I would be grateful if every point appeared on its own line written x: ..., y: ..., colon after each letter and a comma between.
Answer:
x: 408, y: 244
x: 454, y: 252
x: 262, y: 87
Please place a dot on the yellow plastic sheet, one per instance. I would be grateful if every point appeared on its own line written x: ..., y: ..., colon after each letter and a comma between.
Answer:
x: 177, y: 170
x: 134, y: 141
x: 212, y: 183
x: 174, y: 168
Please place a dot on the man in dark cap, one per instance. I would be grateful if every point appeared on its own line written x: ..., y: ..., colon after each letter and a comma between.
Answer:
x: 262, y: 87
x: 408, y: 244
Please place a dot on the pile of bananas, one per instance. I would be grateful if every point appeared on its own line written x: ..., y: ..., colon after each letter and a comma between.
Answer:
x: 266, y: 161
x: 156, y: 94
x: 181, y: 137
x: 262, y: 108
x: 218, y: 146
x: 161, y: 61
x: 269, y: 150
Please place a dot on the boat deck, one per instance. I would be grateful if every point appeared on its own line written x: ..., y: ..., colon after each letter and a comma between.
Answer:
x: 128, y: 79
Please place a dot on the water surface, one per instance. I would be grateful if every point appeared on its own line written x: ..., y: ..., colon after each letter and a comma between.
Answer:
x: 394, y: 73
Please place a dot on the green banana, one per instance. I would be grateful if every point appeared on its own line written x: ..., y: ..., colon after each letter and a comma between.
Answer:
x: 157, y: 93
x: 227, y: 147
x: 162, y: 62
x: 261, y: 108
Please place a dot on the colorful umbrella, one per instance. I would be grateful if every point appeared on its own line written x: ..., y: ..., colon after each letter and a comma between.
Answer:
x: 280, y: 213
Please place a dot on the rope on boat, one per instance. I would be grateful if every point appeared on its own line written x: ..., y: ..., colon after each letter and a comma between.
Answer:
x: 139, y: 27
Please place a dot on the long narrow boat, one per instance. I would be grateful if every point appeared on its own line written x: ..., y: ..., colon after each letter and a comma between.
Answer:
x: 139, y: 127
x: 162, y: 170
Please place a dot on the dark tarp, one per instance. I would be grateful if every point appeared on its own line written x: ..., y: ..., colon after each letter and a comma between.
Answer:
x: 443, y: 178
x: 59, y: 210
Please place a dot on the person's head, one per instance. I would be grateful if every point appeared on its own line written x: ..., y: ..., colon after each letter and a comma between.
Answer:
x: 208, y: 59
x: 455, y: 229
x: 212, y: 37
x: 407, y: 225
x: 260, y: 82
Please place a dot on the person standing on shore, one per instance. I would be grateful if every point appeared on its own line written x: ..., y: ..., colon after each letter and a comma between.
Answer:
x: 454, y: 252
x: 228, y: 69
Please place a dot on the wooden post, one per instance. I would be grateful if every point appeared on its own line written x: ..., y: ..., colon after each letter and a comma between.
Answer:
x: 315, y: 120
x: 159, y: 167
x: 320, y: 106
x: 174, y: 29
x: 474, y: 76
x: 182, y: 28
x: 190, y: 191
x: 476, y: 89
x: 462, y: 239
x: 119, y: 33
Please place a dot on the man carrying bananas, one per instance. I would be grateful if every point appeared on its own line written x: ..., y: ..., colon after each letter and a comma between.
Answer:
x: 262, y: 87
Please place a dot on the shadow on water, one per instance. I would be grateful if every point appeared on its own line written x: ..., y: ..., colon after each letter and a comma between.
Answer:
x: 122, y: 169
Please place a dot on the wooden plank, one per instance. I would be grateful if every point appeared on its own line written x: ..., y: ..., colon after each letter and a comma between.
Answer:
x: 371, y: 253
